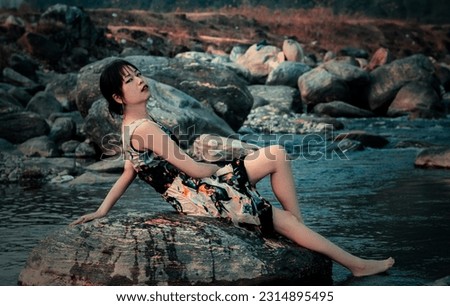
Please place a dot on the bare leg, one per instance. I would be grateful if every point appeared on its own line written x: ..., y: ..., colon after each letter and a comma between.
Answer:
x: 288, y: 225
x: 274, y: 161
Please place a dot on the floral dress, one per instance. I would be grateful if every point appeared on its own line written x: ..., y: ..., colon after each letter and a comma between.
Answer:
x: 228, y: 196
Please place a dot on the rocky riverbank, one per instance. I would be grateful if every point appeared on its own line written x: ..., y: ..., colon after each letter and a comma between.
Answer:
x: 54, y: 123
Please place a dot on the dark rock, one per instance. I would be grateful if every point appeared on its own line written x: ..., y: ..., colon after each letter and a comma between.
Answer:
x: 85, y: 150
x: 6, y: 146
x: 79, y: 56
x: 37, y: 171
x: 108, y: 165
x: 21, y: 95
x: 437, y: 157
x: 88, y: 90
x: 170, y: 249
x: 443, y: 74
x: 444, y: 281
x: 103, y: 129
x: 8, y: 104
x: 413, y: 144
x: 283, y: 97
x: 356, y: 78
x: 341, y: 109
x: 185, y: 115
x: 94, y: 178
x: 210, y: 84
x: 78, y: 30
x: 419, y: 100
x: 15, y: 78
x: 259, y: 101
x: 76, y: 118
x: 68, y: 148
x: 63, y: 88
x: 41, y: 146
x: 24, y: 65
x: 353, y: 52
x: 366, y: 139
x: 45, y: 104
x: 14, y: 26
x: 18, y: 127
x: 237, y: 51
x: 344, y: 145
x: 388, y: 79
x: 287, y: 73
x: 344, y: 60
x: 320, y: 86
x: 41, y: 47
x: 63, y: 129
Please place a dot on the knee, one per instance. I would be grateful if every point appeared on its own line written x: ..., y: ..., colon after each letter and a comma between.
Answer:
x: 284, y: 221
x: 278, y: 153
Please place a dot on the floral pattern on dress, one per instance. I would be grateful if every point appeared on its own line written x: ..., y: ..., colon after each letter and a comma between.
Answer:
x: 229, y: 196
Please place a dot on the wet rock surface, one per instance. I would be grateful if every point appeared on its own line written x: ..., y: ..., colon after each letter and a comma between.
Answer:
x: 170, y: 249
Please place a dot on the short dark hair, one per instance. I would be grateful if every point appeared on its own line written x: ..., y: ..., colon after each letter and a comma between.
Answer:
x: 111, y: 81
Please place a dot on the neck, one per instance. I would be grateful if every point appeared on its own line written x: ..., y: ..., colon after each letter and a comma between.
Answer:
x: 132, y: 113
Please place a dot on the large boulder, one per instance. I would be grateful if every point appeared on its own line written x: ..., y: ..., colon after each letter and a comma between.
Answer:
x: 8, y: 104
x: 283, y: 97
x: 184, y: 115
x: 213, y: 85
x: 293, y: 51
x: 335, y: 80
x: 260, y: 59
x: 170, y: 249
x: 71, y: 26
x: 388, y: 79
x: 321, y: 86
x: 21, y: 126
x: 41, y: 47
x: 45, y: 104
x: 88, y: 89
x: 287, y: 73
x: 168, y: 105
x: 419, y: 100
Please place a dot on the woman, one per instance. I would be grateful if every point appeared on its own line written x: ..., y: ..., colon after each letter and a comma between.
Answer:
x: 196, y: 188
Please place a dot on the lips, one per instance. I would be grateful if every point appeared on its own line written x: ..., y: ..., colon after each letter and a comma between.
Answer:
x: 144, y: 88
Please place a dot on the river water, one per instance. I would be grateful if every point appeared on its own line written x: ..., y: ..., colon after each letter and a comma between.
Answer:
x: 373, y: 202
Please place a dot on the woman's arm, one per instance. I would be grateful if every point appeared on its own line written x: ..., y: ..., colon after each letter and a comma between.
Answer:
x: 149, y: 136
x: 118, y: 189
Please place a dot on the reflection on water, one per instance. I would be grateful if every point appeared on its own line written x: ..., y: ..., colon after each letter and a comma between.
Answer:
x: 374, y: 204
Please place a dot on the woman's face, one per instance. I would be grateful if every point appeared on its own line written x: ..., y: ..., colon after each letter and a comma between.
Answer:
x: 134, y: 87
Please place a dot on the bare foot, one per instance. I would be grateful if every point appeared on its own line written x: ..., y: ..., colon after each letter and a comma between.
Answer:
x: 371, y: 267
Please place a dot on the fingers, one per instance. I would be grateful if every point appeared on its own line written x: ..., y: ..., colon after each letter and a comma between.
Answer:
x: 80, y: 220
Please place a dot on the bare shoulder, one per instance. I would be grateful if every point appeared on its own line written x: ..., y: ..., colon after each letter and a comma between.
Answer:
x: 148, y: 136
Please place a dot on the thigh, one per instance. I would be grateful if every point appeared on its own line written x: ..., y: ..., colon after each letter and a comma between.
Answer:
x: 259, y: 164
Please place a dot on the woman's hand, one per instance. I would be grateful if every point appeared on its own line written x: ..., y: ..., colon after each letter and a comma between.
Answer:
x: 224, y: 170
x: 86, y: 218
